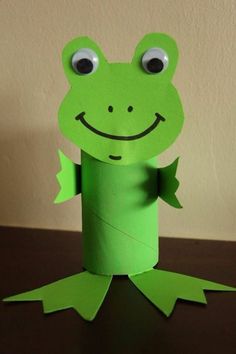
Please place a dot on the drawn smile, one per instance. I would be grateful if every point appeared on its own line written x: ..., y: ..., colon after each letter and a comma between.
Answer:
x: 159, y: 118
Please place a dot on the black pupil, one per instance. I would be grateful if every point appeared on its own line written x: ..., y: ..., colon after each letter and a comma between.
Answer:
x: 84, y: 66
x: 155, y: 65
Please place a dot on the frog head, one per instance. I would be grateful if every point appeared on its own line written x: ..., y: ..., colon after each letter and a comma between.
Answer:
x: 121, y: 113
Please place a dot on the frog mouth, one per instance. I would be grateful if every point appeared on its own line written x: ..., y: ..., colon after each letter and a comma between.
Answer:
x: 158, y: 119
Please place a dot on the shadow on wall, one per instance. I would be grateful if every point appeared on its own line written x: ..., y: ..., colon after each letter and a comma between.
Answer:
x: 29, y: 163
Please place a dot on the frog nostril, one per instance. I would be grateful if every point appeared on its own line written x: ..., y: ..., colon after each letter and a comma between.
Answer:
x: 110, y: 108
x: 130, y: 108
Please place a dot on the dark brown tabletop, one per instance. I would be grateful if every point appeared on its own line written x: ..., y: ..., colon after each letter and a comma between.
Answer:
x: 127, y: 322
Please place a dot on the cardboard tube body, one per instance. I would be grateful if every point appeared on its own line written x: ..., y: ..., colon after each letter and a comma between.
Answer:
x: 119, y: 214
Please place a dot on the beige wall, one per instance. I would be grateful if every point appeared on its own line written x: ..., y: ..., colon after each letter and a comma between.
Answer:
x: 32, y: 85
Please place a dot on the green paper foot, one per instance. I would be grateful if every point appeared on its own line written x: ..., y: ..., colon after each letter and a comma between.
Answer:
x: 84, y: 292
x: 163, y: 288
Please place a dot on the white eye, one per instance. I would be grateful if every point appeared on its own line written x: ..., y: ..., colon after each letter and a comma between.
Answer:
x: 155, y: 60
x: 85, y: 61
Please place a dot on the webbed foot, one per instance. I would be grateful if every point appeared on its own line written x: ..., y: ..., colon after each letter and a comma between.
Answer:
x: 163, y: 288
x: 84, y: 292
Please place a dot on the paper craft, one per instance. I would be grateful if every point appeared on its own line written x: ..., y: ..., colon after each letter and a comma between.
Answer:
x: 84, y: 292
x: 121, y: 115
x: 163, y: 288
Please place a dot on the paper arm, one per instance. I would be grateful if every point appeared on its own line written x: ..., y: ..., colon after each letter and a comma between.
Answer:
x: 168, y: 184
x: 69, y: 179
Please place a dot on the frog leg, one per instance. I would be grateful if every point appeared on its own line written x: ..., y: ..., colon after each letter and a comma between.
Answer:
x: 163, y: 288
x: 85, y: 292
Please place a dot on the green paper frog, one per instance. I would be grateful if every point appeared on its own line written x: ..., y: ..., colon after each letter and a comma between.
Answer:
x: 121, y: 116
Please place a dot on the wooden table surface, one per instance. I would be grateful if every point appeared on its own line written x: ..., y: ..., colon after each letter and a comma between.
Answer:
x: 127, y: 323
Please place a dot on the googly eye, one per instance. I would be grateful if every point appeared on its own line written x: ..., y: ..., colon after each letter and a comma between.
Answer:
x: 155, y: 60
x: 85, y: 61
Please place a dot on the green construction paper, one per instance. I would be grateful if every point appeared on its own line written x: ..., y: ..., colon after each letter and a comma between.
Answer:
x: 168, y: 184
x: 69, y: 179
x: 119, y: 216
x: 84, y: 292
x: 163, y: 288
x: 85, y: 109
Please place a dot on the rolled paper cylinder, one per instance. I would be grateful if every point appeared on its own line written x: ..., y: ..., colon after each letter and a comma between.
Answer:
x: 119, y: 215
